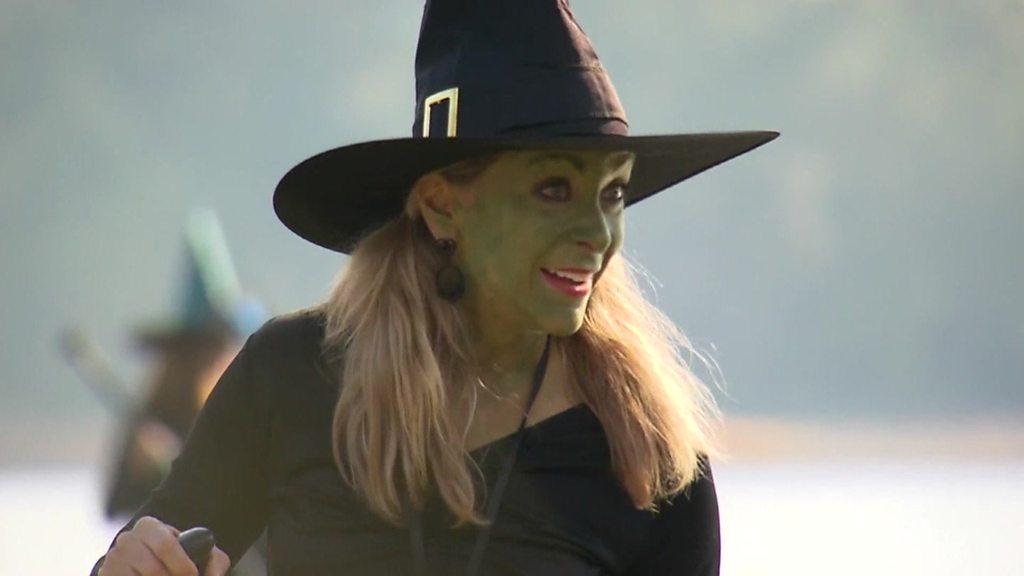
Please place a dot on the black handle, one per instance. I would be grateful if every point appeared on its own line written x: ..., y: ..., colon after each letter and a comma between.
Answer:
x: 198, y: 544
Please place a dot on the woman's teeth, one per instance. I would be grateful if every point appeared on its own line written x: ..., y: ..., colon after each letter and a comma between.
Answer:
x: 577, y: 277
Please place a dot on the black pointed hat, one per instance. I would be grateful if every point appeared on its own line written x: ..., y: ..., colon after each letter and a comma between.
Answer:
x: 490, y: 76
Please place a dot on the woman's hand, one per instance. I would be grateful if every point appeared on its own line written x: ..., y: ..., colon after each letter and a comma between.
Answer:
x: 151, y: 548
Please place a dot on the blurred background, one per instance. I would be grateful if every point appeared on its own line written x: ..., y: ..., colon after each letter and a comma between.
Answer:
x: 858, y: 281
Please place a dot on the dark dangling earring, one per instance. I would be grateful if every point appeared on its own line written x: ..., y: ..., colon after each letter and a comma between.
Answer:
x: 451, y: 284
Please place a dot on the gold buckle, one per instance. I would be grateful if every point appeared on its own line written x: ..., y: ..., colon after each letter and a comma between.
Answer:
x: 452, y: 96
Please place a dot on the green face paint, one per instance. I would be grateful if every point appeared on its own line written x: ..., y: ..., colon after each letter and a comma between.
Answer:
x: 533, y: 230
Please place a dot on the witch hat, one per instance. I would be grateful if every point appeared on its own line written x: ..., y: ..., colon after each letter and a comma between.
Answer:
x: 212, y: 301
x: 490, y: 76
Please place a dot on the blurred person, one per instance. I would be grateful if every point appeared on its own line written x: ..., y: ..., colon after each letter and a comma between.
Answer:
x: 189, y: 354
x: 485, y: 389
x: 186, y: 367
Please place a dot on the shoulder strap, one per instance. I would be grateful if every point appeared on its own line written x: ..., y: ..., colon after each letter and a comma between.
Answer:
x: 494, y: 500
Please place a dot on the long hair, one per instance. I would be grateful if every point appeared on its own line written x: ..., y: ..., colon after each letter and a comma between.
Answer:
x: 403, y: 358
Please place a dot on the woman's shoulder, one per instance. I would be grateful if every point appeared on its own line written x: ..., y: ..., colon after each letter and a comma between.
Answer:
x: 290, y: 343
x: 303, y: 324
x: 288, y: 333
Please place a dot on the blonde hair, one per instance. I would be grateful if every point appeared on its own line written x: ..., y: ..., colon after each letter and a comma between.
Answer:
x: 403, y: 356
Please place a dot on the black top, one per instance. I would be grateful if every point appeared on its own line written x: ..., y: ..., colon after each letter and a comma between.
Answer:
x: 260, y: 456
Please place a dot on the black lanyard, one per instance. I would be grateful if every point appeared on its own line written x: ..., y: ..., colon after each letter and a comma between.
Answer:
x: 494, y: 501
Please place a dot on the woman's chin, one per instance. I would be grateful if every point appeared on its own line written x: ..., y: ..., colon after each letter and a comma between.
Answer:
x: 564, y: 326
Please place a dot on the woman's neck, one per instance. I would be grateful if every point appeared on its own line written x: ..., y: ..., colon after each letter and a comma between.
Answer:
x: 506, y: 353
x: 508, y: 365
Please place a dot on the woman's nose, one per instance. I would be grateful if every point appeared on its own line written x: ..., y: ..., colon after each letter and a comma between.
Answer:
x: 592, y: 230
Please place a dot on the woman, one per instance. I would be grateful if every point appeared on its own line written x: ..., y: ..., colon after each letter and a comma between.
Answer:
x: 485, y: 390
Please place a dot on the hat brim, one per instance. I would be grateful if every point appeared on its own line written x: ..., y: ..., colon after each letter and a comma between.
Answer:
x: 337, y: 196
x: 176, y: 334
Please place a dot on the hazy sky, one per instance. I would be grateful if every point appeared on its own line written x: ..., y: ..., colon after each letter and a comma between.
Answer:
x: 868, y: 263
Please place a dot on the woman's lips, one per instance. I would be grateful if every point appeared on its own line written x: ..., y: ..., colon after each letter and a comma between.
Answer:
x: 565, y: 285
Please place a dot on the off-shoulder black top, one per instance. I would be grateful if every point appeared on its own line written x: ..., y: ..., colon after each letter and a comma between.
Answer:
x: 259, y: 456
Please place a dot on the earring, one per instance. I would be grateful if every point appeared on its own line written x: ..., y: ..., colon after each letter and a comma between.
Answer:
x: 451, y: 284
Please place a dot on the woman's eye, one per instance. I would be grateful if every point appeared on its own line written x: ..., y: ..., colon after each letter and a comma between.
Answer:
x: 616, y: 192
x: 557, y: 189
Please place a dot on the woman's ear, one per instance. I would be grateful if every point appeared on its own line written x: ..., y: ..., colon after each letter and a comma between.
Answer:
x: 436, y: 199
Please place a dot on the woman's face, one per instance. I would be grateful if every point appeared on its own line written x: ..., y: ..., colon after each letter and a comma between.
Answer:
x: 534, y: 229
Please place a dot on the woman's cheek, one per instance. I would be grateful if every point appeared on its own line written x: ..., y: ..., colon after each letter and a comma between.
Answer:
x: 465, y: 197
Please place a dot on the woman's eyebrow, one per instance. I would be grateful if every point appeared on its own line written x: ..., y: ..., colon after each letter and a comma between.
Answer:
x: 614, y: 162
x: 618, y: 160
x: 576, y: 162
